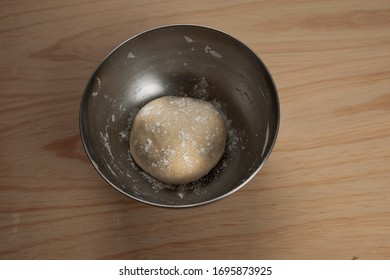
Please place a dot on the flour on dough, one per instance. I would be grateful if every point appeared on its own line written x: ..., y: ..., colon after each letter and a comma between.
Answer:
x: 177, y: 140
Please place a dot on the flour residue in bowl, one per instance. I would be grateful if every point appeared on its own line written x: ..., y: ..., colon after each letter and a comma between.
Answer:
x: 201, y: 89
x: 214, y: 53
x: 99, y: 82
x: 188, y: 39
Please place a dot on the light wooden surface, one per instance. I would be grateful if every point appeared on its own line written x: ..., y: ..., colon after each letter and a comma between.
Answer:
x: 323, y: 194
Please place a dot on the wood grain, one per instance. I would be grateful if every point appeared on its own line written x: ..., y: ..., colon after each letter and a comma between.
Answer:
x: 323, y: 194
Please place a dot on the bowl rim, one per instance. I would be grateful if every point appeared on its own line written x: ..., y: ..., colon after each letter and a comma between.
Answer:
x: 243, y: 183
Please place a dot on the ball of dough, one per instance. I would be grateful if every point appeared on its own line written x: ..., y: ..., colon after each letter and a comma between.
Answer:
x: 177, y: 140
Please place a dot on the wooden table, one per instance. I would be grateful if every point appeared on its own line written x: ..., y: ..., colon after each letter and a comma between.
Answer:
x: 323, y: 194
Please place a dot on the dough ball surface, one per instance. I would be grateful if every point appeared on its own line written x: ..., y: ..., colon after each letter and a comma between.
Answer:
x: 177, y: 140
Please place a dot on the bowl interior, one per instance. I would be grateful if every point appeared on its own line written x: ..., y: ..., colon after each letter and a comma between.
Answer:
x: 184, y: 61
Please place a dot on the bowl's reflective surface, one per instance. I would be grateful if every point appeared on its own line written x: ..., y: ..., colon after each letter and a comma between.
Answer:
x: 180, y: 60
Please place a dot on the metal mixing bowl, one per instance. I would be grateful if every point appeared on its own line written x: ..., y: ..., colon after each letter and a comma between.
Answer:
x: 181, y: 60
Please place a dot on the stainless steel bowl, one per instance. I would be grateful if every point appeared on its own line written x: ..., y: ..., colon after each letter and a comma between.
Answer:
x: 182, y: 60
